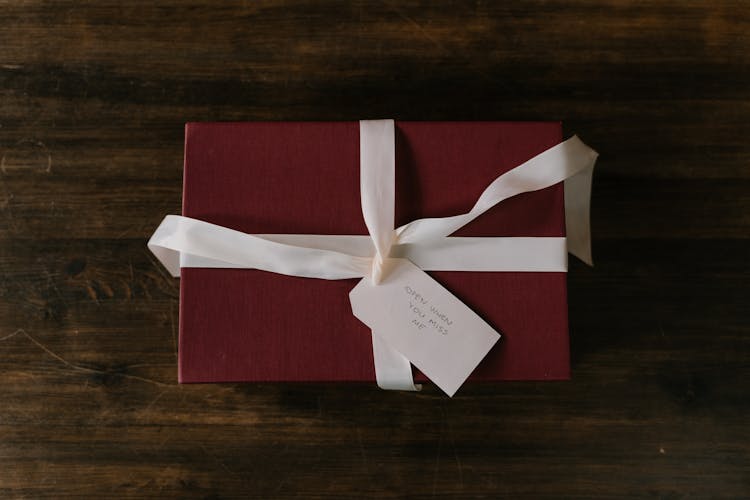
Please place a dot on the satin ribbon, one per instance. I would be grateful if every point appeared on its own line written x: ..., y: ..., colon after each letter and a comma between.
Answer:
x: 185, y: 242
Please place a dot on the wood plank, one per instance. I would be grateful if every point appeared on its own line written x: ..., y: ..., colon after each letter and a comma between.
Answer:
x: 93, y: 100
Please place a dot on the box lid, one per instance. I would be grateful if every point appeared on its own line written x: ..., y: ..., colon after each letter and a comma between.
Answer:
x: 303, y: 177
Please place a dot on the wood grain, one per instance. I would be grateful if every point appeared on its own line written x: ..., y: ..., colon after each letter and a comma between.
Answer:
x: 93, y: 99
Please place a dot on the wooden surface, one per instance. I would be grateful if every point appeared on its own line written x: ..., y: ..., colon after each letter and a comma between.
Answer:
x: 93, y: 98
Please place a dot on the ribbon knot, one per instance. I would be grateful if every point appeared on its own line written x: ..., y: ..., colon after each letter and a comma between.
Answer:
x: 379, y: 262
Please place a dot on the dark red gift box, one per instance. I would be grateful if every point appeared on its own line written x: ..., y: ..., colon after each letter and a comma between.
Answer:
x: 303, y: 178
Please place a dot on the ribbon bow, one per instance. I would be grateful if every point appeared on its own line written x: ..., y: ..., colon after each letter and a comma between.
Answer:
x: 182, y: 241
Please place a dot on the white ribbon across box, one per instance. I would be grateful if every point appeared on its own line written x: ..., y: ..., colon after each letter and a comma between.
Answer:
x: 389, y: 256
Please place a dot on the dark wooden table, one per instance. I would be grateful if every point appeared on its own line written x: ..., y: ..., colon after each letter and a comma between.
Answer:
x: 93, y: 98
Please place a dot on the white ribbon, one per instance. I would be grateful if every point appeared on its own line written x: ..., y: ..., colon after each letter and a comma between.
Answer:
x: 185, y: 242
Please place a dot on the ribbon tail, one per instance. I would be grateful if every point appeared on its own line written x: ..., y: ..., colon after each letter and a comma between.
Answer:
x: 392, y: 369
x: 160, y: 245
x: 550, y: 167
x: 578, y: 210
x: 182, y: 235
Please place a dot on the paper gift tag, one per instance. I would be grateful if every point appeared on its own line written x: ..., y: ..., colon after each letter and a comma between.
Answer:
x: 416, y: 316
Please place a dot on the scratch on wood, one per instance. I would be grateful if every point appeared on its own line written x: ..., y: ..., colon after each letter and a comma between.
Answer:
x: 6, y: 205
x: 12, y: 334
x: 363, y: 454
x: 219, y: 461
x: 140, y: 228
x: 157, y: 398
x: 281, y: 484
x: 90, y: 370
x: 437, y: 459
x: 419, y: 27
x: 174, y: 330
x: 51, y: 282
x: 149, y: 365
x: 455, y: 453
x: 361, y: 448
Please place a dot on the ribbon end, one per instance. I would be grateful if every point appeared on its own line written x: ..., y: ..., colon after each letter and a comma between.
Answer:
x: 169, y: 257
x: 584, y: 256
x: 578, y: 204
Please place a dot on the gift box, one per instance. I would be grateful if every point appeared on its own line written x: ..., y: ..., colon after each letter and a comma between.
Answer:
x: 303, y: 178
